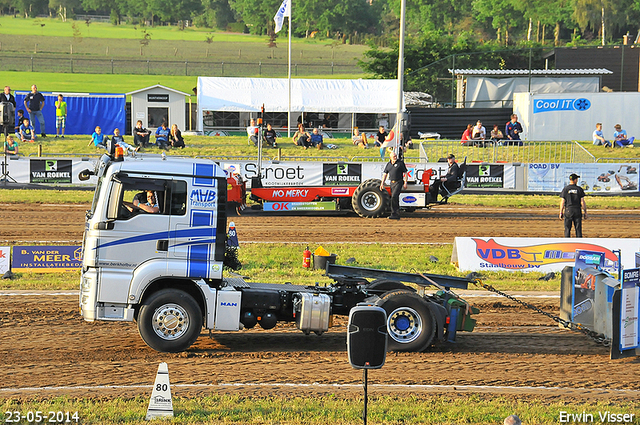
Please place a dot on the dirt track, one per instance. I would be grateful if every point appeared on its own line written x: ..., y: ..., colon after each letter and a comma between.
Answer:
x: 46, y: 343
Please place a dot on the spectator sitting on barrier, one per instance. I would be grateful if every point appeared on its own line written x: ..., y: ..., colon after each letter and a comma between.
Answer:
x: 10, y: 146
x: 162, y: 136
x: 381, y: 135
x: 141, y: 135
x: 119, y: 140
x: 620, y: 137
x: 316, y: 138
x: 97, y: 138
x: 301, y: 137
x: 465, y: 140
x: 270, y: 136
x: 252, y: 132
x: 598, y: 137
x: 359, y: 139
x: 175, y: 137
x: 20, y: 113
x: 496, y: 134
x: 27, y: 133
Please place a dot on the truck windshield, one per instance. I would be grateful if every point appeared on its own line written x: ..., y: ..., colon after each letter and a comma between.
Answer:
x: 96, y: 195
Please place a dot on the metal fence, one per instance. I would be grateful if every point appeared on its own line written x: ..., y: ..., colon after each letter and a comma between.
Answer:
x: 23, y: 63
x: 530, y: 151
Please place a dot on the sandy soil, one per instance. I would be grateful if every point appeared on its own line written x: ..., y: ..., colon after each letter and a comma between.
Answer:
x: 513, y: 352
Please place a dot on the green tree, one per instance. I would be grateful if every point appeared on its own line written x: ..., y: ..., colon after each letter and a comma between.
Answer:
x: 601, y: 15
x: 257, y: 14
x: 63, y: 8
x: 503, y: 15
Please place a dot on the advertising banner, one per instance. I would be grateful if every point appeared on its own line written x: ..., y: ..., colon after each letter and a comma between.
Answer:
x: 341, y: 174
x: 584, y: 285
x: 299, y: 206
x: 45, y: 259
x: 485, y: 175
x: 594, y: 178
x: 537, y: 254
x: 50, y: 171
x: 4, y: 259
x: 629, y: 324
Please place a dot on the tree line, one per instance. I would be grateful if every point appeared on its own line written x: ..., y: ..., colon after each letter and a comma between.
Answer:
x: 505, y: 22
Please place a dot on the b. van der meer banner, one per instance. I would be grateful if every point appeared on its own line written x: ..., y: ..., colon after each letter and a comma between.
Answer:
x: 537, y: 254
x: 46, y: 259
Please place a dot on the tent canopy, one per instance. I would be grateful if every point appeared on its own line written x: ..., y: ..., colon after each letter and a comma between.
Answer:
x: 307, y: 95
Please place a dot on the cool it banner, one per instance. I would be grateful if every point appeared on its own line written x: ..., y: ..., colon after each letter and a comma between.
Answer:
x: 594, y: 178
x: 537, y: 254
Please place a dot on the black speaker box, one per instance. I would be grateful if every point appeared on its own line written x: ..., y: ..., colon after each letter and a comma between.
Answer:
x: 367, y: 337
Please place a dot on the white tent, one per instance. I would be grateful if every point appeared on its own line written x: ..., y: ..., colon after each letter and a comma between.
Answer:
x: 336, y: 96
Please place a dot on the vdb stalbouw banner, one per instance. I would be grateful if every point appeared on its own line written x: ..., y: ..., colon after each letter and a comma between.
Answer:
x: 537, y: 254
x: 46, y: 258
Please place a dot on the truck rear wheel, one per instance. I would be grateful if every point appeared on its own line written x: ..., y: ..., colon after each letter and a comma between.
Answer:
x: 410, y: 323
x: 369, y: 201
x: 170, y: 321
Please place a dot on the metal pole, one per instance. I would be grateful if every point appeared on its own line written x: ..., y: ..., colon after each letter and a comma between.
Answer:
x: 289, y: 72
x: 403, y: 6
x: 621, y: 66
x: 530, y: 50
x: 453, y: 81
x: 364, y: 381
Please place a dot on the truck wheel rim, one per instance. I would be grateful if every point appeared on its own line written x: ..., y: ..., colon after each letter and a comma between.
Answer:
x: 404, y: 325
x: 170, y: 321
x: 371, y: 201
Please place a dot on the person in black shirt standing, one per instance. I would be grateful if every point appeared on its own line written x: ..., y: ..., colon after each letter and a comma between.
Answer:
x: 34, y: 102
x: 571, y: 207
x: 398, y: 174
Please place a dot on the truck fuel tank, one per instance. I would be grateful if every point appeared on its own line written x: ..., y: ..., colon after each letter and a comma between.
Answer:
x: 312, y: 312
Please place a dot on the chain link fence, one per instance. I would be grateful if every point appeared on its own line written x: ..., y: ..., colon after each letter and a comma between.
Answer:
x: 490, y: 152
x: 32, y: 63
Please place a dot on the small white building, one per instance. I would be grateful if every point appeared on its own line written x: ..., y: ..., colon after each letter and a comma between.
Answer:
x: 153, y: 104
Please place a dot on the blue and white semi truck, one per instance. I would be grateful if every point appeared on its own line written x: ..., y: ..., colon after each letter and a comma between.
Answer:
x: 161, y: 265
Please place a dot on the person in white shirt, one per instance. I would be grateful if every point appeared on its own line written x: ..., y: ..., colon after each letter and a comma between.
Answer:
x: 252, y: 132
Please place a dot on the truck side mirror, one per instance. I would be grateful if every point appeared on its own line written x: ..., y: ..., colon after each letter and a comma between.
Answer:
x: 105, y: 225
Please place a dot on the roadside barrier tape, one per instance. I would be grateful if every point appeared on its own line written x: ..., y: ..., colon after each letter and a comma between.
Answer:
x: 334, y: 386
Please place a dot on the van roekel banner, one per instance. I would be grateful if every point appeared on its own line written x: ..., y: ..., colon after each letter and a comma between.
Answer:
x: 50, y: 171
x: 46, y: 259
x: 537, y: 254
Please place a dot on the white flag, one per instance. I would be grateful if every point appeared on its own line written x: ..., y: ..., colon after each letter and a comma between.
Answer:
x: 285, y: 10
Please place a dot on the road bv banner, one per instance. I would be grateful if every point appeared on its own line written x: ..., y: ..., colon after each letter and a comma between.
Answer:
x: 46, y: 258
x: 537, y: 254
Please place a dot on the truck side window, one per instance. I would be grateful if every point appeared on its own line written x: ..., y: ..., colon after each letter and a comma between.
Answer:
x: 178, y: 197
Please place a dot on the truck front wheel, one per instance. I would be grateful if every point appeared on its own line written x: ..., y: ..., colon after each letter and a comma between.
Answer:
x: 369, y: 201
x: 410, y: 323
x: 170, y: 321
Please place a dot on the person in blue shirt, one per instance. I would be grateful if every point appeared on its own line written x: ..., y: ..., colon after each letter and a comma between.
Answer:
x: 316, y: 138
x: 620, y: 137
x: 598, y: 137
x: 97, y: 138
x: 27, y: 133
x: 162, y: 136
x: 512, y: 130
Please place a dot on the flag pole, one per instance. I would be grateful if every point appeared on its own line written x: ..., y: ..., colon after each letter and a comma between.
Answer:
x: 400, y: 77
x: 289, y: 107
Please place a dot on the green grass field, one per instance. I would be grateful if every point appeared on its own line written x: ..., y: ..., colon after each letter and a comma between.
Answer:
x: 281, y: 410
